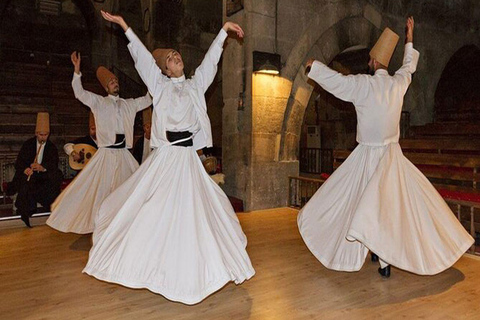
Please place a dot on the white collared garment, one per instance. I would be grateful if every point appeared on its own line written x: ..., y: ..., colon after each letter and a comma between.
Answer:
x: 378, y: 200
x: 104, y: 107
x: 119, y: 128
x: 168, y: 110
x: 377, y: 114
x: 40, y: 154
x: 191, y: 241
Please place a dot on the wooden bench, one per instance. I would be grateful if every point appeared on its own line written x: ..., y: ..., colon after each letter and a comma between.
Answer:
x: 446, y: 130
x: 441, y: 146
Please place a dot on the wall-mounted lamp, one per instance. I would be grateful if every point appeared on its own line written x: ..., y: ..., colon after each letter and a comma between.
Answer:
x: 264, y: 62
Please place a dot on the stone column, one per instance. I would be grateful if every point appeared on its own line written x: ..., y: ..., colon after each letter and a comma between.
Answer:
x: 253, y: 114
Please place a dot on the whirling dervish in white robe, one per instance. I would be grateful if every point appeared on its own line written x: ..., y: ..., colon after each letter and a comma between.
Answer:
x: 377, y: 199
x: 170, y: 228
x: 76, y: 208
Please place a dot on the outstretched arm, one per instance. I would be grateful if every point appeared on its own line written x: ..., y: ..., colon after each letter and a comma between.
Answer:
x: 86, y: 97
x: 143, y: 102
x: 348, y: 88
x: 144, y: 61
x: 403, y: 76
x: 205, y: 72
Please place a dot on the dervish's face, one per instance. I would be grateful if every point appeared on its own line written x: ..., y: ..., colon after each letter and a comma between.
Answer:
x: 112, y: 87
x: 42, y: 136
x: 174, y: 64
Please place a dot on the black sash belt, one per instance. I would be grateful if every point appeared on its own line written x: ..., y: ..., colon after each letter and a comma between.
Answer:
x: 119, y: 142
x: 175, y: 136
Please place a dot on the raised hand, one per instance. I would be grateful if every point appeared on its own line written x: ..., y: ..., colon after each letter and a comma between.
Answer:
x: 115, y: 19
x: 409, y: 29
x: 230, y: 26
x: 75, y: 57
x: 309, y: 64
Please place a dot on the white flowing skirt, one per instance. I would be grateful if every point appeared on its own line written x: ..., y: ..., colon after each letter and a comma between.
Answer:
x: 75, y: 209
x: 171, y: 229
x: 378, y: 200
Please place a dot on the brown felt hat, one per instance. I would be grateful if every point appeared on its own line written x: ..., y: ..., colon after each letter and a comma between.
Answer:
x: 383, y: 50
x: 160, y: 56
x: 104, y: 76
x: 43, y: 122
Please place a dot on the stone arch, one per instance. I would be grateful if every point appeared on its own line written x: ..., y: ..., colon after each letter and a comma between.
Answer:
x: 457, y: 95
x: 88, y: 11
x: 349, y: 32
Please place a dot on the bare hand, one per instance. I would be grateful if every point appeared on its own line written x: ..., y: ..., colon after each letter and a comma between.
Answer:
x: 309, y: 63
x: 37, y: 167
x: 115, y: 19
x: 28, y: 171
x: 75, y: 57
x: 409, y: 29
x: 231, y: 26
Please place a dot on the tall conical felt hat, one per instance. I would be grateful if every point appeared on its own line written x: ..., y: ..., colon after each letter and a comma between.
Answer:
x: 160, y: 56
x: 91, y: 119
x: 147, y: 116
x: 104, y: 75
x: 43, y: 122
x: 382, y: 51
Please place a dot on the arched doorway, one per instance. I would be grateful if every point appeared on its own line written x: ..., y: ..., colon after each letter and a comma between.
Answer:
x: 330, y: 123
x: 457, y: 97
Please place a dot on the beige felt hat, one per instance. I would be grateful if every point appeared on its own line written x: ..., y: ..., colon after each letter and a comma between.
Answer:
x: 147, y: 116
x: 160, y: 56
x: 383, y: 50
x: 104, y: 76
x: 43, y: 122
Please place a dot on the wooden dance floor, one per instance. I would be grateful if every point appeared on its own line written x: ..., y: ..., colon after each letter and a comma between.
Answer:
x: 41, y: 278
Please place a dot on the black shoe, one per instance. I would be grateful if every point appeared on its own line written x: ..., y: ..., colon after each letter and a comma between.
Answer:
x: 374, y: 257
x: 385, y: 272
x: 26, y: 220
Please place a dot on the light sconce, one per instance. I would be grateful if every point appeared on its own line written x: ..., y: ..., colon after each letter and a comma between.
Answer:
x: 264, y: 62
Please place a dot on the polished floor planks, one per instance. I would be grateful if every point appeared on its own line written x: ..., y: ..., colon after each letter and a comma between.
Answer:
x: 40, y: 278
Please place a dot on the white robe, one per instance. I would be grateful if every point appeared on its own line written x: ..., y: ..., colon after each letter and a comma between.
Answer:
x: 377, y: 199
x: 76, y: 207
x: 170, y: 228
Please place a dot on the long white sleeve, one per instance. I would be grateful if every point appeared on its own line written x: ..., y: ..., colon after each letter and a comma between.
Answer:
x: 348, y: 88
x: 403, y: 76
x: 86, y: 97
x: 143, y: 102
x: 206, y: 71
x: 144, y: 63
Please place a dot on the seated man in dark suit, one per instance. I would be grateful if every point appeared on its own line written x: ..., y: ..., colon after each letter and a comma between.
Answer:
x: 37, y: 177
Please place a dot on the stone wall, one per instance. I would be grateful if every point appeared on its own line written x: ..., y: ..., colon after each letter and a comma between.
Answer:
x: 260, y: 157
